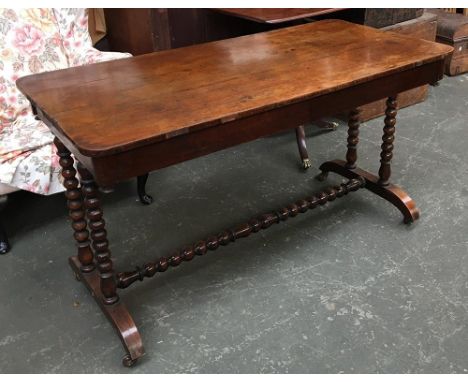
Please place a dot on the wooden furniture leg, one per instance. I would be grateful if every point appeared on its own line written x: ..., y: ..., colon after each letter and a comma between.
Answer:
x: 116, y: 313
x: 100, y: 284
x: 353, y: 138
x: 103, y: 285
x: 4, y: 244
x: 141, y: 189
x: 380, y: 184
x: 98, y: 236
x: 75, y: 208
x: 301, y: 144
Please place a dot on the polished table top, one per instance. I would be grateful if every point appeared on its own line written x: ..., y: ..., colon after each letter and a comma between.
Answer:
x: 116, y: 106
x: 276, y: 15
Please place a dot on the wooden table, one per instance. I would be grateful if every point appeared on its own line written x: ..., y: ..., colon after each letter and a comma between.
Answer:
x: 276, y: 15
x: 124, y: 118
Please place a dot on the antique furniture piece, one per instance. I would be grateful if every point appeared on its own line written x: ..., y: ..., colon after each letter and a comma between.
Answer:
x: 452, y: 29
x: 146, y: 30
x: 34, y: 41
x: 383, y: 17
x: 423, y: 27
x: 255, y: 85
x: 276, y: 15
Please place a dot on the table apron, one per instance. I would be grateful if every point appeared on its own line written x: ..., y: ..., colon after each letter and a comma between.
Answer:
x: 111, y: 169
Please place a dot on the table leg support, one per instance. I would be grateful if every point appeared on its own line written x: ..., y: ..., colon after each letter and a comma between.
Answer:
x: 102, y: 284
x: 75, y: 207
x: 116, y: 313
x: 141, y: 188
x: 125, y: 279
x: 380, y: 184
x: 301, y: 145
x: 353, y: 138
x: 98, y: 236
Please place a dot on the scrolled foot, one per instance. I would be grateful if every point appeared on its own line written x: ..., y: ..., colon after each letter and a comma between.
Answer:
x: 322, y: 176
x: 306, y: 163
x: 392, y: 193
x: 127, y: 361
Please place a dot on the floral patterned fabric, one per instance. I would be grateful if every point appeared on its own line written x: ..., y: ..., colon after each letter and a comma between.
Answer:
x: 33, y: 41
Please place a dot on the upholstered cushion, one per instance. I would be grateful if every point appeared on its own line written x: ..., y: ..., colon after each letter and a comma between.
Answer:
x: 33, y: 41
x: 30, y: 42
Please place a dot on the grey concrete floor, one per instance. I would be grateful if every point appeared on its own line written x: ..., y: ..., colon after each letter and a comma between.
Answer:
x: 345, y: 288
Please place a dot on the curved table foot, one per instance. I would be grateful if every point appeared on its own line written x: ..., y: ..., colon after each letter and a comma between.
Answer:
x: 141, y: 189
x: 394, y: 194
x: 116, y: 313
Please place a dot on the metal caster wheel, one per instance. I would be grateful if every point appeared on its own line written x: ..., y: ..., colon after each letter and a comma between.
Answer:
x: 322, y: 176
x: 306, y: 164
x: 127, y: 361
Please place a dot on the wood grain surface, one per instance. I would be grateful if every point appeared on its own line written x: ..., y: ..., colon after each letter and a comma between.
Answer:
x: 115, y: 106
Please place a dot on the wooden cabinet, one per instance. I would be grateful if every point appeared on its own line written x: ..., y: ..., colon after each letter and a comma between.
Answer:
x: 145, y: 30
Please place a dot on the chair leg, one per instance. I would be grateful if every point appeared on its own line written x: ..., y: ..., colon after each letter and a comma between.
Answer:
x: 141, y: 189
x: 301, y: 144
x: 4, y: 244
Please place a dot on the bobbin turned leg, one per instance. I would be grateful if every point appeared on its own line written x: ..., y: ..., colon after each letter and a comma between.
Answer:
x: 76, y: 209
x: 353, y: 140
x: 388, y: 137
x: 301, y: 144
x: 100, y: 284
x: 98, y: 236
x: 379, y: 185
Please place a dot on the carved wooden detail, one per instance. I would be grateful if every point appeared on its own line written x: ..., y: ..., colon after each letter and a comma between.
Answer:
x: 98, y: 235
x: 75, y: 207
x: 117, y: 314
x: 353, y: 138
x: 124, y: 279
x: 388, y: 137
x: 392, y: 193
